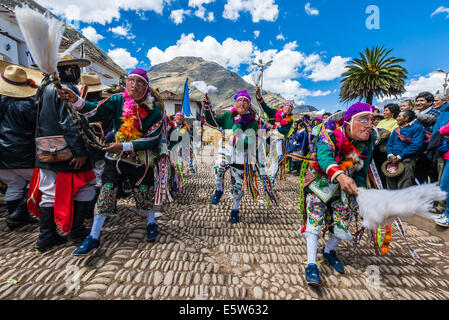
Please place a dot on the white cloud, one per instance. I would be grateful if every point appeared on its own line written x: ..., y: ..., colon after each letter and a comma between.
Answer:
x: 91, y: 34
x: 281, y: 77
x: 123, y: 31
x: 177, y: 16
x: 311, y: 11
x: 259, y: 9
x: 280, y: 37
x: 291, y: 46
x: 201, y: 13
x: 328, y: 72
x: 432, y: 83
x: 230, y: 54
x: 123, y: 58
x: 201, y: 10
x: 256, y: 34
x: 441, y: 10
x: 100, y: 11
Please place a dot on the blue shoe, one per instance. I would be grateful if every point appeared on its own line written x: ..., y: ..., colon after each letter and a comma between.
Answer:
x: 217, y: 196
x: 312, y: 275
x: 235, y: 217
x: 331, y: 257
x: 152, y: 231
x: 88, y: 246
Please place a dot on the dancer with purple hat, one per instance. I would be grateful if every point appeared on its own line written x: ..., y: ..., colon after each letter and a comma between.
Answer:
x: 340, y: 163
x: 138, y: 124
x: 241, y: 118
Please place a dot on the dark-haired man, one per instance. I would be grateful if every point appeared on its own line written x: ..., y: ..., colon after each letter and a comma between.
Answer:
x: 427, y: 116
x: 404, y: 145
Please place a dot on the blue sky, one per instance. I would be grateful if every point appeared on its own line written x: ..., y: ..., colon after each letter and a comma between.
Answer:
x: 310, y: 41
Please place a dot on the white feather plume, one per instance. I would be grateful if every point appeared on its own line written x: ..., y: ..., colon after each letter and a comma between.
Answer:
x: 380, y: 207
x: 203, y: 87
x: 256, y: 76
x: 43, y: 34
x: 71, y: 48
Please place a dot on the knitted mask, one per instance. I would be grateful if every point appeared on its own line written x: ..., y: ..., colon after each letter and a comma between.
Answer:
x: 359, y: 118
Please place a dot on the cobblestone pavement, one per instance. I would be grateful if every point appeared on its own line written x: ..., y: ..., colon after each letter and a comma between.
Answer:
x: 200, y: 256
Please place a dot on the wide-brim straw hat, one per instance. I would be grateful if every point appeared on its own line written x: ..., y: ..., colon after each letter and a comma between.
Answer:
x: 69, y: 60
x: 92, y: 81
x: 17, y: 83
x: 391, y: 170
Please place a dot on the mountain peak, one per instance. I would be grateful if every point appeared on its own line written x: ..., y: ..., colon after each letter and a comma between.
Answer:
x: 172, y: 76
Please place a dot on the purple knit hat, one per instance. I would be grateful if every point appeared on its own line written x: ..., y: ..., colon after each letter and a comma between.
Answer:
x: 243, y: 93
x: 357, y: 108
x: 141, y: 73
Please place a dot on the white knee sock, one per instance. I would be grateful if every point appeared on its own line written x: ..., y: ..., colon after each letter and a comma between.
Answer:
x: 220, y: 187
x: 332, y: 243
x: 312, y: 245
x: 97, y: 225
x: 151, y: 218
x: 236, y: 204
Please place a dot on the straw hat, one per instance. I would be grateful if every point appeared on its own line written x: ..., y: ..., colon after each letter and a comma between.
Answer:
x: 69, y: 60
x: 392, y: 170
x: 14, y: 82
x: 92, y: 81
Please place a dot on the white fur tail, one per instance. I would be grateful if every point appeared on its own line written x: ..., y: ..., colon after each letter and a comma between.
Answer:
x: 379, y: 207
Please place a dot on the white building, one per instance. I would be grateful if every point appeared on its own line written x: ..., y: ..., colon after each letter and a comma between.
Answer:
x: 13, y: 48
x: 173, y: 105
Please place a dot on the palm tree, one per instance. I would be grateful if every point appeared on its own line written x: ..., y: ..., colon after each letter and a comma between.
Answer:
x: 375, y: 74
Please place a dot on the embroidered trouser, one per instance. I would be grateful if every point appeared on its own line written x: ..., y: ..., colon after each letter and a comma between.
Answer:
x: 112, y: 179
x: 335, y: 214
x: 237, y: 179
x: 220, y: 168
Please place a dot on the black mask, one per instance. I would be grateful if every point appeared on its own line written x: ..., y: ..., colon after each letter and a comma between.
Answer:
x: 70, y: 73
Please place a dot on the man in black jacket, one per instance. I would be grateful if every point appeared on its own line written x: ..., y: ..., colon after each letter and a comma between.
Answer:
x: 17, y: 150
x: 59, y: 181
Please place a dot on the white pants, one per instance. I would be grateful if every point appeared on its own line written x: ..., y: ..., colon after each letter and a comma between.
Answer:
x: 48, y: 187
x: 98, y: 171
x: 16, y: 180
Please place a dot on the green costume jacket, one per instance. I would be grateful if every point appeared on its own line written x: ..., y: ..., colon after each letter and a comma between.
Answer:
x: 114, y: 105
x: 271, y: 113
x: 324, y: 185
x: 227, y: 122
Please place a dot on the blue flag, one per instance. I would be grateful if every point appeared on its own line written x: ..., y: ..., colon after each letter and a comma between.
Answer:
x: 186, y: 100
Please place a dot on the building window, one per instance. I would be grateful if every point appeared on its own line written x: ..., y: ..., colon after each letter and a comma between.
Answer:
x: 178, y: 108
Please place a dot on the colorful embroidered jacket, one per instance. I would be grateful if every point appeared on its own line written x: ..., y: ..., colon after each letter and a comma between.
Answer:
x: 96, y: 111
x: 339, y: 155
x: 271, y: 113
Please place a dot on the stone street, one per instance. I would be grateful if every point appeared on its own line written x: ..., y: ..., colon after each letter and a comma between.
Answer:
x: 200, y: 256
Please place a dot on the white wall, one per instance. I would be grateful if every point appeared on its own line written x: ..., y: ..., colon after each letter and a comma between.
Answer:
x: 12, y: 54
x: 170, y: 108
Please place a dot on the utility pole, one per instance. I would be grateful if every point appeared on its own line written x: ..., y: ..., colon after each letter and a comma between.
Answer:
x: 445, y: 85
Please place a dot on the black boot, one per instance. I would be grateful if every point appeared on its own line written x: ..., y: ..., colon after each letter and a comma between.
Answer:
x: 79, y: 231
x: 18, y: 214
x: 48, y: 236
x: 89, y: 214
